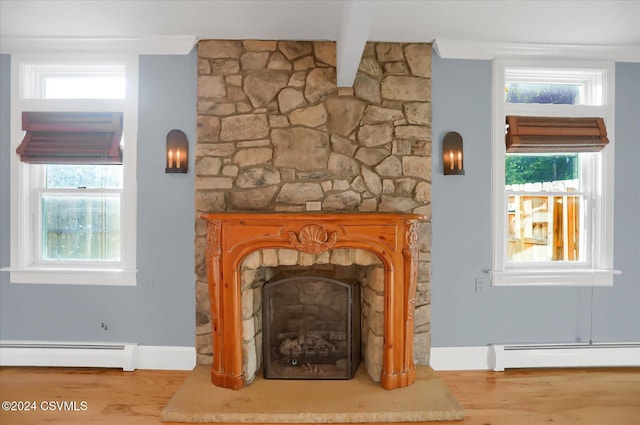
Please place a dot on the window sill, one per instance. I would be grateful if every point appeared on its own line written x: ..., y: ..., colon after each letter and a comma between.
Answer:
x: 57, y: 276
x: 549, y: 277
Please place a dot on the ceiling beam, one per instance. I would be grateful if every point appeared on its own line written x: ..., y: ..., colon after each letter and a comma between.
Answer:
x: 355, y: 24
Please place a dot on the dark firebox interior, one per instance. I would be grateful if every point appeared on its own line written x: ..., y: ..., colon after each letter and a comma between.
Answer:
x: 312, y: 326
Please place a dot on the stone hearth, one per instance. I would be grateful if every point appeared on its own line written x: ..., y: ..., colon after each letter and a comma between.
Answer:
x: 322, y: 402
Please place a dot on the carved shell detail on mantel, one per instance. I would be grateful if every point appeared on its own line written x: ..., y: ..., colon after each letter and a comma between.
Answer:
x: 313, y: 239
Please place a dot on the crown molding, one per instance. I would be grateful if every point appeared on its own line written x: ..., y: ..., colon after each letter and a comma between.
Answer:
x: 170, y: 45
x: 487, y: 50
x: 445, y: 48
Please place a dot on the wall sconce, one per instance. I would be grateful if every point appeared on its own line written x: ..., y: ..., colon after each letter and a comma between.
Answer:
x: 452, y: 154
x: 177, y: 152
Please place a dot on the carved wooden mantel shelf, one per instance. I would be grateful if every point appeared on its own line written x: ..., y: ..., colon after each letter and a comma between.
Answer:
x: 392, y: 237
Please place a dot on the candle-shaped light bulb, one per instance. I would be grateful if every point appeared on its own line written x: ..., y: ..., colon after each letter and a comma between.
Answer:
x: 178, y: 158
x: 451, y: 159
x: 459, y: 160
x: 170, y: 158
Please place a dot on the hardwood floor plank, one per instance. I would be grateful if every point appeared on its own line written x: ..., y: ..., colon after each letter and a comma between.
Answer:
x: 514, y: 397
x: 112, y: 396
x: 558, y: 396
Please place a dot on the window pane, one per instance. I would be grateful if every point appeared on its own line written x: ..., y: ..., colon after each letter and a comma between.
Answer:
x: 559, y: 94
x: 85, y: 176
x: 84, y: 88
x: 74, y: 80
x: 81, y: 227
x: 544, y: 228
x: 561, y: 171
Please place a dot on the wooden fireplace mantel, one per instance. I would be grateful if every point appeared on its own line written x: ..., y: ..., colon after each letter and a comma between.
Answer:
x: 392, y: 237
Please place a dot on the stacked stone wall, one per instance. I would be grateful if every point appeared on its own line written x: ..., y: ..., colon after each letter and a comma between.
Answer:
x: 275, y: 133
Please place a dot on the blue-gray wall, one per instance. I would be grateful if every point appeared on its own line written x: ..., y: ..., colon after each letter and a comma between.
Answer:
x: 160, y: 310
x: 461, y: 216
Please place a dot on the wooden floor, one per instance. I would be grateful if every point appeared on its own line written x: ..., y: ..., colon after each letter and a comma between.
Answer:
x: 519, y: 397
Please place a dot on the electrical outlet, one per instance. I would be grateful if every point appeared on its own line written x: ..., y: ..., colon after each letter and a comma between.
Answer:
x: 481, y: 283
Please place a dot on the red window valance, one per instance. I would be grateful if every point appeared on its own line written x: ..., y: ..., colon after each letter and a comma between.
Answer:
x: 71, y: 138
x: 555, y: 134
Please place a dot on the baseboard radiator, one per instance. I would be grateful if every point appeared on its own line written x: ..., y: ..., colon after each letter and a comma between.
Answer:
x: 503, y: 357
x: 113, y: 355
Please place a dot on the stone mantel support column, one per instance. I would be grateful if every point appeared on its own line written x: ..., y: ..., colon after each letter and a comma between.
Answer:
x: 233, y: 236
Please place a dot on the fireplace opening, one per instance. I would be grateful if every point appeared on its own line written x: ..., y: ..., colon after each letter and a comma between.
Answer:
x: 311, y: 328
x: 356, y: 300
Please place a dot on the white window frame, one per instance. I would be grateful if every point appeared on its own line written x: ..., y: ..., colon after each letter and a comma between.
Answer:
x: 24, y: 267
x: 597, y: 270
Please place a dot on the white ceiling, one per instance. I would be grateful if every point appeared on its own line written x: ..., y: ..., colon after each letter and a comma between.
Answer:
x: 591, y: 29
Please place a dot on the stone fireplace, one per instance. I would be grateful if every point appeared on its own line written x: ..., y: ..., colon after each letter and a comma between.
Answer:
x: 276, y: 135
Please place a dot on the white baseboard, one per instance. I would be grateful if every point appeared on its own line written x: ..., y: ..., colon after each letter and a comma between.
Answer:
x: 501, y: 357
x: 459, y: 358
x: 492, y: 357
x: 165, y: 357
x: 116, y: 355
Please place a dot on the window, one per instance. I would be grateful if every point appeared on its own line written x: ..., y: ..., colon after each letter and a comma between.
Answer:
x: 74, y: 219
x: 552, y: 210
